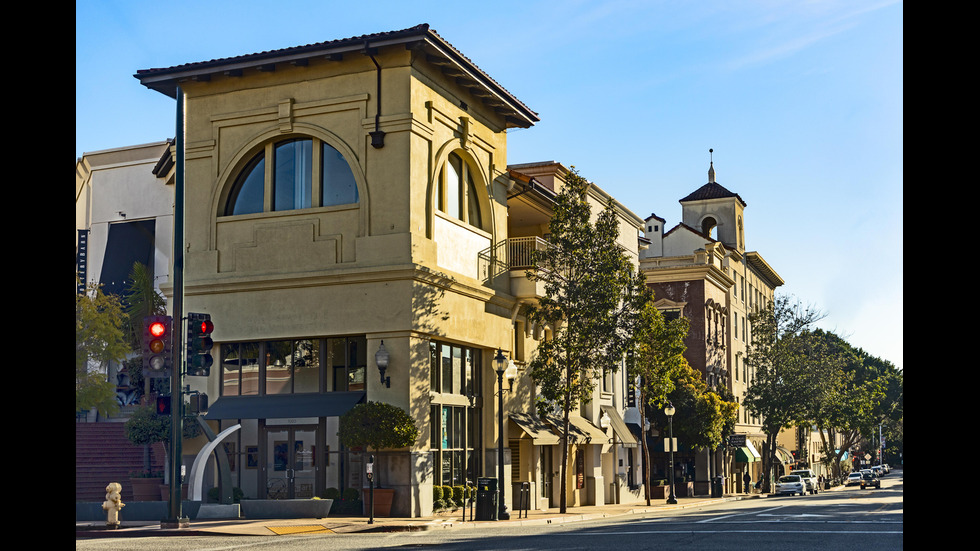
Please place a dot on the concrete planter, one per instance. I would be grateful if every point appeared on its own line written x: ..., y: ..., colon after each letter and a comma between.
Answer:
x: 286, y: 508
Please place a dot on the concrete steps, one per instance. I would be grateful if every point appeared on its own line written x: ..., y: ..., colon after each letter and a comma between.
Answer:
x: 103, y: 454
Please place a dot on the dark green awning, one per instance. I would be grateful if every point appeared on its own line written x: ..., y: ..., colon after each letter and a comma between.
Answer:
x: 328, y: 404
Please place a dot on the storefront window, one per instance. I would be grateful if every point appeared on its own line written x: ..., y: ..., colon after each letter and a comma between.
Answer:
x: 293, y: 366
x: 454, y: 377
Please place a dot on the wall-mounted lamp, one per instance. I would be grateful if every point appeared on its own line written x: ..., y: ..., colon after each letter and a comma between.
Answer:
x: 604, y: 421
x: 381, y: 358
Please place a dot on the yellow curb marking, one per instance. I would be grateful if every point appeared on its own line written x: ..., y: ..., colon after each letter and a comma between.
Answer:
x: 312, y: 529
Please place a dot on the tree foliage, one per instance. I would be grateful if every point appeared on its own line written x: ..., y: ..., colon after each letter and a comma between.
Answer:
x: 778, y: 354
x: 656, y: 359
x: 586, y: 275
x: 702, y: 418
x: 141, y: 300
x: 99, y: 339
x: 853, y: 393
x: 377, y: 425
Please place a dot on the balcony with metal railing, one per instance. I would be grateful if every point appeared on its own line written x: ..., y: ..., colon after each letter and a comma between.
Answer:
x: 514, y: 255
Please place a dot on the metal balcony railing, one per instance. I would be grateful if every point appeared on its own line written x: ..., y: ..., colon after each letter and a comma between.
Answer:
x: 515, y: 253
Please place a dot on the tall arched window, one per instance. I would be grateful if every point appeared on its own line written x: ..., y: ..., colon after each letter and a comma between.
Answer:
x: 456, y: 193
x: 306, y: 173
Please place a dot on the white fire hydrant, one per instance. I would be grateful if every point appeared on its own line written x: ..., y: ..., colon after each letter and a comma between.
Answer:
x: 113, y: 504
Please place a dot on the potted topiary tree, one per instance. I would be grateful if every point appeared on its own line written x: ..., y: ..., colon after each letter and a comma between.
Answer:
x: 375, y: 426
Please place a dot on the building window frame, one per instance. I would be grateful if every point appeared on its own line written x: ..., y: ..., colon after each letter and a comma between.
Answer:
x: 303, y: 172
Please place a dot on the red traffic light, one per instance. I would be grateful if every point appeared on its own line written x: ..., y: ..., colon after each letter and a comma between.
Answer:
x: 157, y: 329
x: 207, y: 327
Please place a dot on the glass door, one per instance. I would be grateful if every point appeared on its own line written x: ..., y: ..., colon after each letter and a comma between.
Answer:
x: 291, y: 469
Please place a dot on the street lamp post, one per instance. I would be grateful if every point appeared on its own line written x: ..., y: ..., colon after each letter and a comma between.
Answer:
x: 669, y: 410
x: 501, y: 362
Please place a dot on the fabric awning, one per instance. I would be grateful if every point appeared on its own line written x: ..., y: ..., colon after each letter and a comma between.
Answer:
x: 328, y: 404
x: 785, y: 454
x: 619, y: 427
x: 580, y: 430
x: 539, y: 431
x: 747, y: 453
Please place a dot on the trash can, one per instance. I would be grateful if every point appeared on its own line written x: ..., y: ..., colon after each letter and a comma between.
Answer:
x: 486, y: 499
x: 717, y: 486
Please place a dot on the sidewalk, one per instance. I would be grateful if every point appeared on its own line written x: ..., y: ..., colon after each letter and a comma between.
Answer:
x: 273, y: 527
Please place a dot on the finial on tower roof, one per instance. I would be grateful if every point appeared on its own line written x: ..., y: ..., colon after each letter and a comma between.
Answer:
x: 711, y: 168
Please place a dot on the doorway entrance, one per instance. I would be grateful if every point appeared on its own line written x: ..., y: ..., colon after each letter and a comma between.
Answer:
x: 291, y: 464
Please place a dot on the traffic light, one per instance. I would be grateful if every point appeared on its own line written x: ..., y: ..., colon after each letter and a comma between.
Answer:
x: 163, y: 405
x: 158, y: 343
x: 199, y: 344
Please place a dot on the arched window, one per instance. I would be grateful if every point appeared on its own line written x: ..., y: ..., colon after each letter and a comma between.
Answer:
x: 294, y: 182
x: 248, y: 193
x: 456, y: 193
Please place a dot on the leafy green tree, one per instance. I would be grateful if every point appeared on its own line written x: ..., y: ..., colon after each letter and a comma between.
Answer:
x: 586, y: 276
x: 657, y: 359
x: 702, y: 415
x: 777, y: 353
x: 859, y: 392
x: 99, y: 339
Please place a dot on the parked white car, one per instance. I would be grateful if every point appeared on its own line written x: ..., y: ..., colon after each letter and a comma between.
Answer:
x: 853, y: 479
x: 809, y: 478
x: 791, y: 484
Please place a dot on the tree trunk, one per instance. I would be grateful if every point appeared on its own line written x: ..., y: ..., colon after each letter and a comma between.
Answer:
x: 643, y: 443
x: 563, y: 505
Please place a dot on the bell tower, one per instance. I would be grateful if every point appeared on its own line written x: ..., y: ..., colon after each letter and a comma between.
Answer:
x: 716, y: 212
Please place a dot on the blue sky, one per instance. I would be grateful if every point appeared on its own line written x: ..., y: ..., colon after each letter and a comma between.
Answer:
x: 802, y: 102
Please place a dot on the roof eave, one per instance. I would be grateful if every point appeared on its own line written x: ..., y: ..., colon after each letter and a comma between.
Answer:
x: 167, y: 80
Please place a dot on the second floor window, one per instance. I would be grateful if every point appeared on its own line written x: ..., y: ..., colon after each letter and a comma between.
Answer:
x: 456, y: 192
x: 304, y: 173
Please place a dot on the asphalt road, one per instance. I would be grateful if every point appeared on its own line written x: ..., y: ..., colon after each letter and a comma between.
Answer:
x: 847, y: 518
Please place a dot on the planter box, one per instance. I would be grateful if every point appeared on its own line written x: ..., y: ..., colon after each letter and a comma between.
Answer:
x: 659, y: 492
x: 384, y: 496
x: 286, y: 508
x: 165, y: 492
x: 146, y: 489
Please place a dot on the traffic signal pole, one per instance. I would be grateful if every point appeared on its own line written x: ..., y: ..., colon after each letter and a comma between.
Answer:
x: 174, y: 515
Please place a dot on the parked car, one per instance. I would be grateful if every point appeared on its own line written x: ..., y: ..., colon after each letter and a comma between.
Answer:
x: 878, y: 471
x: 791, y: 484
x: 809, y: 478
x: 886, y: 468
x: 853, y: 479
x: 870, y: 479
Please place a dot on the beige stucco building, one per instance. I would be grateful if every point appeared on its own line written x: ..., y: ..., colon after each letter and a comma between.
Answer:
x: 355, y: 194
x: 701, y: 269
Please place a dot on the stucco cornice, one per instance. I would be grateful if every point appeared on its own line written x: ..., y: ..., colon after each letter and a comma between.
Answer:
x: 687, y: 273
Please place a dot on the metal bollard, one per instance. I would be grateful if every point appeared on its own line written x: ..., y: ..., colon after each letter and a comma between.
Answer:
x: 524, y: 502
